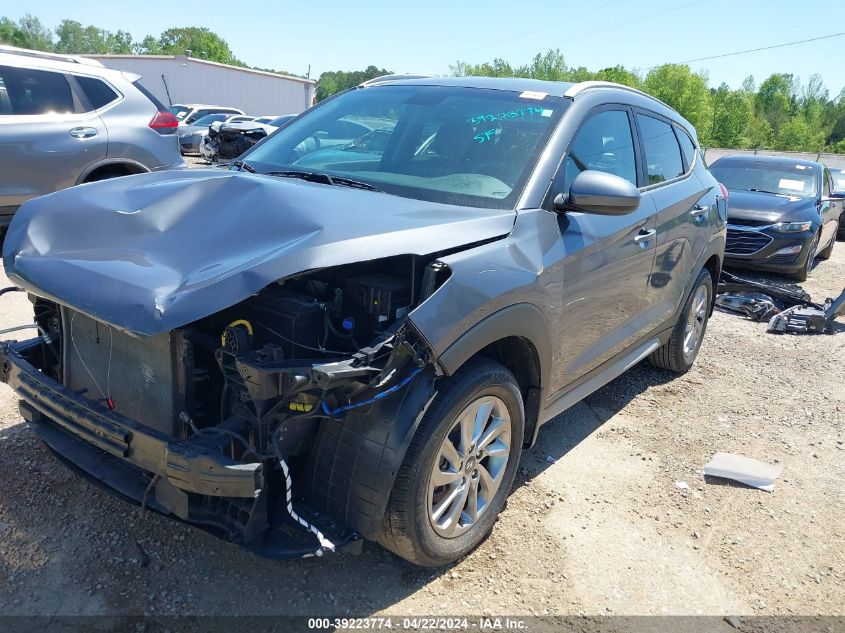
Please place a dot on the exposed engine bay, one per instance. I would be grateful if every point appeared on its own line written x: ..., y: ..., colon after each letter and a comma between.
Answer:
x: 259, y: 383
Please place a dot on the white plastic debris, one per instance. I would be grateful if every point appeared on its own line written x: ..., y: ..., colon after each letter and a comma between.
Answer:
x: 751, y: 472
x: 682, y: 485
x: 550, y: 459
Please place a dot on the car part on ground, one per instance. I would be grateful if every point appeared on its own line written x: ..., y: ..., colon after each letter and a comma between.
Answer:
x: 788, y: 311
x: 336, y: 340
x: 66, y: 120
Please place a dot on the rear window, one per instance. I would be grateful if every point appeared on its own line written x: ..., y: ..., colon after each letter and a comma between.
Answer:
x: 662, y: 154
x: 98, y: 93
x: 29, y: 91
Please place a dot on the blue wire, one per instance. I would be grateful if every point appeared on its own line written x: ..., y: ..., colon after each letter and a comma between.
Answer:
x: 375, y: 398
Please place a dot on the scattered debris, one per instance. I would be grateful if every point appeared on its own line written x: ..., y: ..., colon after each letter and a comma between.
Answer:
x: 746, y: 470
x: 682, y: 485
x: 550, y: 459
x: 789, y: 311
x: 733, y: 621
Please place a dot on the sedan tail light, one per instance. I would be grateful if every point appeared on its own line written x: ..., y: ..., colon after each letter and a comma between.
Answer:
x: 164, y: 122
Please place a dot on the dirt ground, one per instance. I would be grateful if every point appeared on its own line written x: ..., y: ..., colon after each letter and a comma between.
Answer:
x: 595, y: 524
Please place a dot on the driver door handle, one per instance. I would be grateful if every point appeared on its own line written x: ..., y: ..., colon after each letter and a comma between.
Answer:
x: 83, y: 132
x: 644, y: 237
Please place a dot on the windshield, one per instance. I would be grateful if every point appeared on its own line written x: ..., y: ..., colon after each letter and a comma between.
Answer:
x: 786, y: 180
x: 455, y: 145
x: 208, y: 119
x: 179, y: 111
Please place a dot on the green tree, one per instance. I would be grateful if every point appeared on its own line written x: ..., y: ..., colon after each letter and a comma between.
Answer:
x: 732, y: 118
x: 776, y: 100
x: 28, y: 32
x: 332, y: 82
x: 687, y: 92
x: 200, y: 41
x: 75, y: 38
x: 619, y: 75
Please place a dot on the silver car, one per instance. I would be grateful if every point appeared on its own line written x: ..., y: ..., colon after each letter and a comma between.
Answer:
x: 67, y: 120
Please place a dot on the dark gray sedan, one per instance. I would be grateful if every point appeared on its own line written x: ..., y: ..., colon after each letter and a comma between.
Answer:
x: 782, y: 213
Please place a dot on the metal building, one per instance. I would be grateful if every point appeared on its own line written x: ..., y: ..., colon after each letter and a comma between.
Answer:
x: 181, y: 79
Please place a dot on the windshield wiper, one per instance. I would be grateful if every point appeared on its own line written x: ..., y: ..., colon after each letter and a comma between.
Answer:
x: 243, y: 166
x: 774, y: 193
x: 326, y: 179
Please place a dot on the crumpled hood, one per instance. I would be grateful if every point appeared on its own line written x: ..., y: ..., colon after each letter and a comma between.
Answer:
x: 153, y: 252
x: 768, y: 207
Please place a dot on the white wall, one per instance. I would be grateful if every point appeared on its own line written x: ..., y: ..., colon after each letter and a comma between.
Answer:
x: 182, y: 79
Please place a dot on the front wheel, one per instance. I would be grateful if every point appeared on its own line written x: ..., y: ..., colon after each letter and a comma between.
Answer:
x: 681, y: 350
x: 802, y: 273
x: 459, y: 467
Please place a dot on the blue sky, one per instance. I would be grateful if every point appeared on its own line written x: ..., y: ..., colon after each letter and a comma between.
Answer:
x: 427, y: 37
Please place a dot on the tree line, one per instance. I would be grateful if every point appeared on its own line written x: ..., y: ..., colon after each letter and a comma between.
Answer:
x: 72, y: 38
x: 781, y: 113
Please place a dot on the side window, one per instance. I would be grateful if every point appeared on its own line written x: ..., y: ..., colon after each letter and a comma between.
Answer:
x: 604, y: 143
x: 687, y: 147
x: 662, y: 154
x: 98, y: 92
x: 826, y: 184
x: 27, y: 91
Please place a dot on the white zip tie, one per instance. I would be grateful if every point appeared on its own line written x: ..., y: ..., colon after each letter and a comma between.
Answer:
x: 325, y: 544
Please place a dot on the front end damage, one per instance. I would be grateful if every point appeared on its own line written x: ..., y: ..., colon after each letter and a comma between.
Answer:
x: 278, y: 423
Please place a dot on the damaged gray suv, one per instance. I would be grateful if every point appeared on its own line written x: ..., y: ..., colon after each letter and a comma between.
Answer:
x: 347, y: 337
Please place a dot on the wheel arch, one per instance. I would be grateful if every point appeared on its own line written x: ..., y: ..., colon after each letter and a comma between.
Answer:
x: 125, y: 165
x: 517, y: 337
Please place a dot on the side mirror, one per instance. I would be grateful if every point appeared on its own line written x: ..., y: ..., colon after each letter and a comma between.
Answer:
x: 600, y: 193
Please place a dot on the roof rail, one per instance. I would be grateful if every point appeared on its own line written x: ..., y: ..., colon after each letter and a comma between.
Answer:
x: 26, y: 52
x: 396, y: 77
x: 583, y: 86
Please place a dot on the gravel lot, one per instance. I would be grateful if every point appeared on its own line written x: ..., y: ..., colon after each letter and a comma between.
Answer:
x: 599, y: 529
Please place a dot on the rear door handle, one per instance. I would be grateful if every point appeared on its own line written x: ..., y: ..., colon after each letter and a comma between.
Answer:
x: 83, y: 132
x: 644, y: 237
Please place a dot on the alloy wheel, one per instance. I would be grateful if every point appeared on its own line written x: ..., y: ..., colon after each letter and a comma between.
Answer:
x: 696, y: 321
x: 470, y: 466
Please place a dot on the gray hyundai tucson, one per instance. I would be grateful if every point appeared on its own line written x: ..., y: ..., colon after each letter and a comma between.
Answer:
x: 307, y: 350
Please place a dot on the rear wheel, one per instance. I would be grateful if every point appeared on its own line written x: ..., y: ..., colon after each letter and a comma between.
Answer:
x: 680, y: 352
x: 459, y: 467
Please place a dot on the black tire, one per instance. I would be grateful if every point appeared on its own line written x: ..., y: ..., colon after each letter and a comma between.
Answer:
x: 407, y: 528
x: 672, y: 356
x: 802, y: 273
x: 828, y: 251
